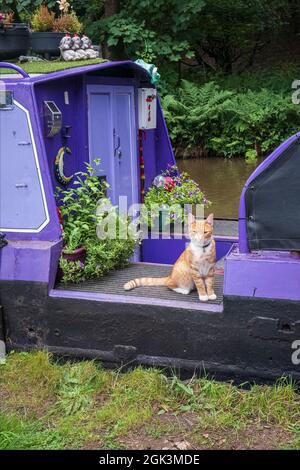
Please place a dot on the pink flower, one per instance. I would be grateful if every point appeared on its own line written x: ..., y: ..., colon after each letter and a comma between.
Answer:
x: 169, y: 183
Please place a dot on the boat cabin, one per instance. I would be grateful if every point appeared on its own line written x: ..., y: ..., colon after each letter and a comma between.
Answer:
x: 50, y: 125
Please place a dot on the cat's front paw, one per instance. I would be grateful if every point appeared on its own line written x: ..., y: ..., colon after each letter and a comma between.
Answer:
x: 212, y: 297
x: 203, y: 298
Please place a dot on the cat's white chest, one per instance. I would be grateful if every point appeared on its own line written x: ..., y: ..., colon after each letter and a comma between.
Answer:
x: 201, y: 257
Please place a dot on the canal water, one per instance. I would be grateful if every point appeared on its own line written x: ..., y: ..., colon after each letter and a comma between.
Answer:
x: 222, y: 181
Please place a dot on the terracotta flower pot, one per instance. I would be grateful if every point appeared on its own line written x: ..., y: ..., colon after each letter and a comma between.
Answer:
x: 76, y: 255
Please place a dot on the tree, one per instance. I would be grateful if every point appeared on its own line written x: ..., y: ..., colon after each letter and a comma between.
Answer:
x: 113, y: 51
x: 228, y: 30
x: 152, y: 30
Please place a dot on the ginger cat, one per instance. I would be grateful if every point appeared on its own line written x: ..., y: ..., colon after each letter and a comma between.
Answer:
x: 194, y: 267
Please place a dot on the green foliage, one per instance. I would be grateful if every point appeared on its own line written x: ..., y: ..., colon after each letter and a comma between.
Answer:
x: 251, y: 156
x: 261, y: 120
x: 195, y: 113
x: 38, y: 373
x: 170, y: 194
x: 78, y: 384
x: 181, y: 189
x: 44, y: 19
x: 67, y: 23
x: 152, y: 30
x: 81, y: 218
x: 23, y: 6
x: 172, y: 30
x: 87, y: 406
x: 90, y: 14
x: 102, y: 255
x: 169, y: 31
x: 181, y: 389
x: 17, y: 434
x: 78, y: 206
x: 278, y: 79
x: 131, y: 402
x: 229, y: 122
x: 230, y: 29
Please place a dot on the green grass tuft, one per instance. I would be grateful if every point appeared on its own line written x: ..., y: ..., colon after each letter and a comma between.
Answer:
x: 79, y: 385
x: 132, y: 401
x: 29, y: 382
x: 17, y: 434
x: 50, y: 405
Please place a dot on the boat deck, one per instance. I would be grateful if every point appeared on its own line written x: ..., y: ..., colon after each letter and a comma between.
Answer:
x: 226, y: 228
x: 112, y: 284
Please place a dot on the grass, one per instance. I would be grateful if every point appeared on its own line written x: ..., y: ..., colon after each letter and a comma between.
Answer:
x: 45, y: 404
x: 52, y: 66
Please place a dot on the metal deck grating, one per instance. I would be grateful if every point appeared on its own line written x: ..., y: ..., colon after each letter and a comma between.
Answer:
x: 113, y: 282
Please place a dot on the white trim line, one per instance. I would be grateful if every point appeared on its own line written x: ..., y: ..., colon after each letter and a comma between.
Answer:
x: 46, y: 222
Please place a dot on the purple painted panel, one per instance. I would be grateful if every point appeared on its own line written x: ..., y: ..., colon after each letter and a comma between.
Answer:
x: 101, y: 131
x: 164, y: 150
x: 157, y: 149
x: 68, y: 89
x: 243, y: 240
x: 149, y: 154
x: 264, y: 274
x: 74, y: 114
x: 112, y: 136
x: 30, y: 261
x: 20, y: 184
x: 223, y: 246
x: 125, y: 152
x: 167, y: 251
x: 23, y: 94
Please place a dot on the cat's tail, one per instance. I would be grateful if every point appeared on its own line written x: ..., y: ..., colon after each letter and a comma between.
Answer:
x: 146, y: 281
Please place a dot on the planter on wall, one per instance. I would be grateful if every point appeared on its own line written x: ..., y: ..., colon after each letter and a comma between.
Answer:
x: 14, y: 40
x: 46, y: 43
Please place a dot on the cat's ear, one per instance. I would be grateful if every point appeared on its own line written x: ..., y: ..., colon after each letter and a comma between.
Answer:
x: 191, y: 218
x: 210, y: 219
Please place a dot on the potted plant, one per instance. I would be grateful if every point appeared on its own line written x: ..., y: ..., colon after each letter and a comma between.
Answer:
x: 14, y: 37
x: 171, y: 197
x: 84, y: 254
x: 48, y: 30
x: 77, y: 206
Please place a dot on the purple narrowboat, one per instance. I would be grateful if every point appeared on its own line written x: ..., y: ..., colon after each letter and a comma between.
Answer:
x: 251, y: 331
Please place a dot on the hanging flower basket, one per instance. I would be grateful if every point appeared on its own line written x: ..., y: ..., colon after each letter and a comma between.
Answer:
x: 176, y: 195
